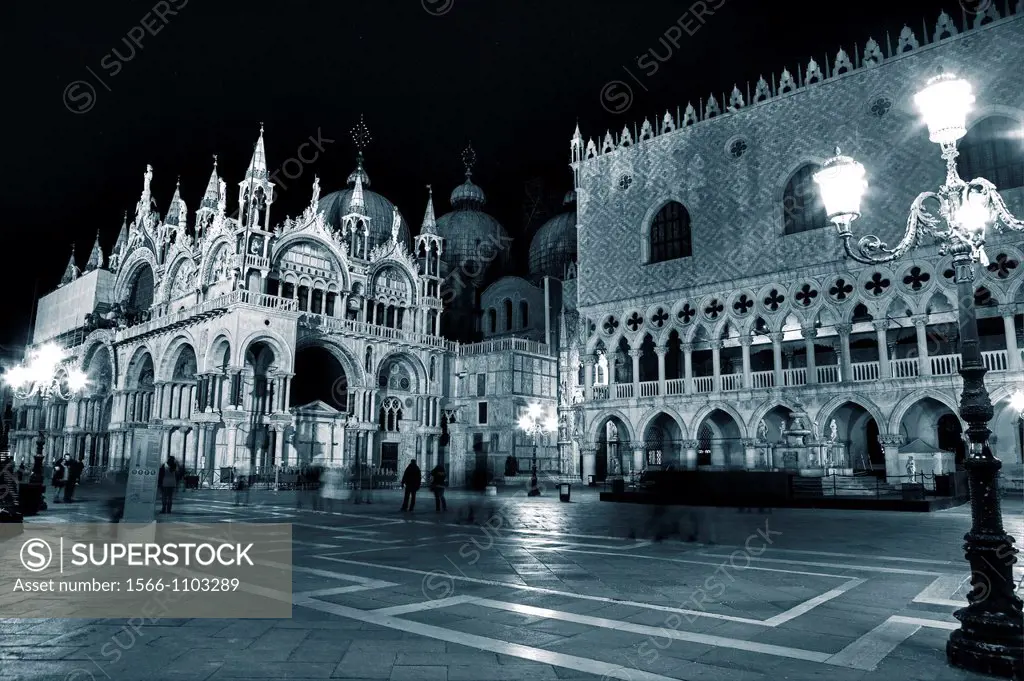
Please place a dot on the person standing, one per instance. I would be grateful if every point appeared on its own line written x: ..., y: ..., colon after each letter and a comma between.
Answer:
x: 58, y: 479
x: 167, y: 481
x: 438, y: 481
x: 75, y: 468
x: 411, y: 481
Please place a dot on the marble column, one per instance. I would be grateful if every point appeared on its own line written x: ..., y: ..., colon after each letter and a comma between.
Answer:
x: 688, y: 367
x: 1013, y: 360
x: 634, y: 354
x: 716, y: 365
x: 232, y: 441
x: 589, y: 463
x: 690, y: 455
x: 661, y: 351
x: 924, y: 365
x: 845, y: 365
x: 810, y: 333
x: 777, y: 358
x: 638, y: 459
x: 745, y: 341
x: 588, y: 375
x: 881, y: 329
x: 750, y: 454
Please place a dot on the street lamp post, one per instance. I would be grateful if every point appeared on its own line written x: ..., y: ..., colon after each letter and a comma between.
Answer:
x: 991, y: 637
x: 45, y: 375
x: 1017, y: 404
x: 537, y: 423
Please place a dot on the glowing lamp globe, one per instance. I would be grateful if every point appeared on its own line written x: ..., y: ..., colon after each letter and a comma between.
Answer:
x: 525, y: 422
x: 77, y: 380
x: 944, y: 104
x: 974, y: 215
x: 534, y: 411
x: 551, y: 423
x: 17, y: 377
x: 1017, y: 402
x: 842, y: 183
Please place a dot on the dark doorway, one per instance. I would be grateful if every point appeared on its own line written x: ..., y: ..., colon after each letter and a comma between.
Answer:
x: 950, y: 436
x: 389, y: 456
x: 875, y: 451
x: 601, y: 462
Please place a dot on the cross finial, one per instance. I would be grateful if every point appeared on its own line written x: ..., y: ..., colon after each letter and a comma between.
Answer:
x: 430, y: 188
x: 215, y: 160
x: 261, y: 127
x: 469, y: 158
x: 361, y: 134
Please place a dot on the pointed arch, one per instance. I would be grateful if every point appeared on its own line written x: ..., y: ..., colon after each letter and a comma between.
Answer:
x: 654, y: 412
x: 209, y: 257
x: 667, y: 232
x: 767, y: 406
x: 802, y: 207
x: 904, y: 405
x: 706, y: 410
x: 828, y: 409
x: 175, y: 261
x: 594, y: 430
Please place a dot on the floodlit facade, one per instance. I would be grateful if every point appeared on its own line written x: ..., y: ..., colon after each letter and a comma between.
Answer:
x: 690, y: 306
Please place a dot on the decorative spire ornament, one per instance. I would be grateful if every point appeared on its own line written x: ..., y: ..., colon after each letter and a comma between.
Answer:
x: 96, y: 256
x: 469, y: 159
x: 71, y: 271
x: 429, y: 222
x: 361, y: 135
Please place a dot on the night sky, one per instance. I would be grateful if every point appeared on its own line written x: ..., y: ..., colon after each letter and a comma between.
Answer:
x: 511, y: 76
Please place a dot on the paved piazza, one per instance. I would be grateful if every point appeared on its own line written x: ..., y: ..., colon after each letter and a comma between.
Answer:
x: 548, y: 590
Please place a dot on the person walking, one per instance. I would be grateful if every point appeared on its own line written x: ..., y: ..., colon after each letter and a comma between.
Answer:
x: 58, y: 479
x: 411, y: 481
x: 167, y: 481
x: 75, y: 468
x: 438, y: 481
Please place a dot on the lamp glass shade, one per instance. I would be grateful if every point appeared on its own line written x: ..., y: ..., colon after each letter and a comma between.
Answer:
x: 1017, y: 401
x: 944, y: 104
x: 842, y: 184
x: 525, y: 422
x: 974, y: 214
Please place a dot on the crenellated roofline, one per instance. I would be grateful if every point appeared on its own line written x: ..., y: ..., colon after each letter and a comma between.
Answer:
x: 872, y: 55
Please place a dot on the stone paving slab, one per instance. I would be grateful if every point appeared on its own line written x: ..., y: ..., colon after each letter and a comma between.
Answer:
x: 584, y: 551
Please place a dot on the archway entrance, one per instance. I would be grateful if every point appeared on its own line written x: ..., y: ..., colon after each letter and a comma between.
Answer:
x: 718, y: 441
x: 612, y: 446
x: 858, y: 431
x: 663, y: 443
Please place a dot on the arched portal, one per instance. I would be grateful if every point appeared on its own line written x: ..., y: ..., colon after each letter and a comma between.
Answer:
x: 92, y: 443
x: 663, y: 442
x: 718, y: 441
x: 775, y: 420
x: 399, y: 408
x: 140, y: 291
x: 935, y: 424
x: 319, y: 376
x: 253, y: 391
x: 320, y: 400
x: 612, y: 448
x: 857, y: 430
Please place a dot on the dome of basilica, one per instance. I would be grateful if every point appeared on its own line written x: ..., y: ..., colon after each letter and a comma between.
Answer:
x: 554, y: 244
x: 474, y: 241
x: 380, y: 211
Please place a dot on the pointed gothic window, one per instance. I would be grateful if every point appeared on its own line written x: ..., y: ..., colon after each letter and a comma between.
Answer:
x: 994, y: 149
x: 802, y: 207
x: 670, y: 233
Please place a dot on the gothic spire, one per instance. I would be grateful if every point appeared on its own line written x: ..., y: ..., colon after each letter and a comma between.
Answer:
x: 175, y: 213
x: 71, y: 271
x: 429, y: 223
x: 357, y: 204
x: 211, y: 199
x: 258, y: 165
x: 122, y: 236
x: 96, y: 256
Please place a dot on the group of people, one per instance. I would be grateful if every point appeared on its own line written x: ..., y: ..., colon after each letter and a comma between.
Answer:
x: 67, y: 473
x: 412, y: 480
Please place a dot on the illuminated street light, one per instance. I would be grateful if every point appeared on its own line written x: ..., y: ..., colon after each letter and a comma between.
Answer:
x: 991, y: 637
x: 47, y: 373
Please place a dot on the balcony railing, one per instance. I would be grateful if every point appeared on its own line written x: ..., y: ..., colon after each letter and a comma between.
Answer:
x: 239, y: 297
x: 358, y: 328
x: 907, y: 368
x: 502, y: 344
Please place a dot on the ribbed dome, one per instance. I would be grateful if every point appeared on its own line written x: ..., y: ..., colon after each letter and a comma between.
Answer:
x: 473, y: 242
x: 380, y: 211
x: 468, y: 195
x: 554, y: 245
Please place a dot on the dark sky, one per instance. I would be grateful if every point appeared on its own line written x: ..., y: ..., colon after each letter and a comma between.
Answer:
x: 512, y: 76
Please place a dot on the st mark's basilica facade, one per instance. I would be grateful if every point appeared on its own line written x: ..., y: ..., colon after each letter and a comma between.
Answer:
x: 689, y: 306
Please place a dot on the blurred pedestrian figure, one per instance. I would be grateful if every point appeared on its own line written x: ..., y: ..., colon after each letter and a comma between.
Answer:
x: 332, y: 488
x: 74, y: 475
x: 167, y: 481
x: 57, y: 480
x: 311, y: 490
x: 242, y: 484
x: 411, y: 481
x: 438, y: 481
x: 21, y: 472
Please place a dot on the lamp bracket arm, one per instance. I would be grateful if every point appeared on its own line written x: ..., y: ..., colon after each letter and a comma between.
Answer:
x: 1002, y: 214
x: 871, y: 250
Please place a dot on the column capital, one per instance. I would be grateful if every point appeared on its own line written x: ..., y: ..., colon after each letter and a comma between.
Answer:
x: 661, y: 350
x: 809, y: 332
x: 686, y: 347
x: 1008, y: 310
x: 843, y: 329
x: 691, y: 444
x: 890, y: 439
x: 636, y: 352
x: 881, y: 324
x: 776, y: 336
x: 715, y: 344
x: 919, y: 320
x: 746, y: 341
x: 588, y: 359
x: 749, y: 442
